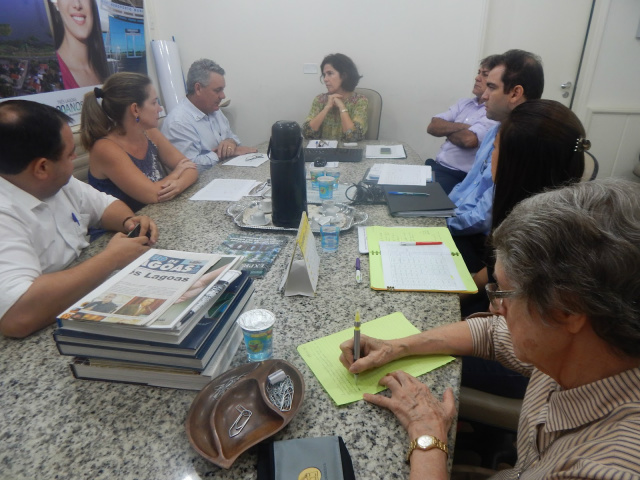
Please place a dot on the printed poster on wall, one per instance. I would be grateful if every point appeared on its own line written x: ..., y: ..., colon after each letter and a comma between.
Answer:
x: 53, y: 51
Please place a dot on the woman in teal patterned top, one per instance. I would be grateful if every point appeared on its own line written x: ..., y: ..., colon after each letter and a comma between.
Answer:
x: 339, y: 114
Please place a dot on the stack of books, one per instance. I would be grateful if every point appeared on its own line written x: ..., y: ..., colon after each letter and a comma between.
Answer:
x: 167, y: 319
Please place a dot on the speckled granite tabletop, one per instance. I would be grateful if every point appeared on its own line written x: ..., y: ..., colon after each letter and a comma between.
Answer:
x: 56, y: 427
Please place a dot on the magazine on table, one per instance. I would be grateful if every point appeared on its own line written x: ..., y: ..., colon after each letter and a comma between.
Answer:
x: 141, y: 292
x: 259, y: 250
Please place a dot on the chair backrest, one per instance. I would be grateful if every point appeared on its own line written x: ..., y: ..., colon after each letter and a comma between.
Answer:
x: 374, y: 112
x: 590, y: 167
x: 489, y: 409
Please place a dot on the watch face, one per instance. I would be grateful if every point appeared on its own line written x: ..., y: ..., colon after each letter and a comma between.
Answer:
x: 425, y: 441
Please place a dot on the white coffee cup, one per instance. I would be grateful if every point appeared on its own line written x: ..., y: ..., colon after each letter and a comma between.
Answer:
x: 329, y: 207
x: 265, y: 205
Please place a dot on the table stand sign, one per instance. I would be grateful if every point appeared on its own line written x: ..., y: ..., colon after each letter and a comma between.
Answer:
x: 301, y: 276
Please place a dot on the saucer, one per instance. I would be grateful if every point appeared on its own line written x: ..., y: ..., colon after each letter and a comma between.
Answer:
x: 267, y: 221
x: 329, y: 212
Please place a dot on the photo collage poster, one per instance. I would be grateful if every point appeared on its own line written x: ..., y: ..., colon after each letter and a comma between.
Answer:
x: 54, y: 51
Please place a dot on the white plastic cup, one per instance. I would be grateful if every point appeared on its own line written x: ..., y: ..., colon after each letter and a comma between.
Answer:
x: 257, y: 329
x: 325, y: 186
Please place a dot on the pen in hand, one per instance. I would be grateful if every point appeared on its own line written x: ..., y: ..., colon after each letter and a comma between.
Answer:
x: 356, y: 342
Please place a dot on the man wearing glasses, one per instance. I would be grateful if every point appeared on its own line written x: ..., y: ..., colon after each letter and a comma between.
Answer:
x: 196, y: 126
x: 566, y: 313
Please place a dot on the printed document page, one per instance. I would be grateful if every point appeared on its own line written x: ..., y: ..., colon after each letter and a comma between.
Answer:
x: 248, y: 160
x: 322, y: 144
x: 392, y: 174
x: 223, y: 189
x: 419, y: 267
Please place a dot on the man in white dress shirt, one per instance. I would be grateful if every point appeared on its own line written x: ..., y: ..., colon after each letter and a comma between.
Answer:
x: 196, y: 126
x: 44, y: 216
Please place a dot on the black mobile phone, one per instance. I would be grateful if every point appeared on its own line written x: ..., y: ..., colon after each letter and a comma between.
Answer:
x: 135, y: 232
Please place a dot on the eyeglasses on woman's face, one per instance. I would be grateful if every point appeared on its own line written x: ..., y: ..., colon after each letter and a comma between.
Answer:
x: 496, y: 296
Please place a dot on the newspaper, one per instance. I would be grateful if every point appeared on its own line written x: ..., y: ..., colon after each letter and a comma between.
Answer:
x: 143, y: 290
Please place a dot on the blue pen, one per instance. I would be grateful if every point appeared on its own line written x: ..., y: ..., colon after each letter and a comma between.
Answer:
x: 74, y: 218
x: 358, y: 273
x: 417, y: 194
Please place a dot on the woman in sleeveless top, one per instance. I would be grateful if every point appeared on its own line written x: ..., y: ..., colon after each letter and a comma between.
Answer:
x: 128, y: 156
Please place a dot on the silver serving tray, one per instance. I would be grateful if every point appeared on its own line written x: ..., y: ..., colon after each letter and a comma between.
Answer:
x: 347, y: 217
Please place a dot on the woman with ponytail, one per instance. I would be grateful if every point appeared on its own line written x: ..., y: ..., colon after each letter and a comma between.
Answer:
x: 128, y: 156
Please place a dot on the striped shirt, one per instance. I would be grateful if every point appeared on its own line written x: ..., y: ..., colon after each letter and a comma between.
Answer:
x: 589, y: 432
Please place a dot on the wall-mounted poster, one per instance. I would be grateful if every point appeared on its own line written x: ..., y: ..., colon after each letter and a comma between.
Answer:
x: 53, y: 51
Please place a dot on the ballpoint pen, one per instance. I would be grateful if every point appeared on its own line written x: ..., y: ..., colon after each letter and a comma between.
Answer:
x: 415, y: 194
x: 405, y: 244
x: 356, y: 341
x: 358, y: 273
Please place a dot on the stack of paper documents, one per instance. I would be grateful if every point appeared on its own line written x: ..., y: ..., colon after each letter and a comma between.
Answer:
x: 393, y: 174
x: 225, y: 189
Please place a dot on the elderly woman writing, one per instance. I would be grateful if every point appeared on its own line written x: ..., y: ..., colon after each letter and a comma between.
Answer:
x: 566, y: 314
x: 339, y: 114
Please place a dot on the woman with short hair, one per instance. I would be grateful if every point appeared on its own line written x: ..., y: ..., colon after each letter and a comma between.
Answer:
x: 566, y: 313
x: 339, y: 114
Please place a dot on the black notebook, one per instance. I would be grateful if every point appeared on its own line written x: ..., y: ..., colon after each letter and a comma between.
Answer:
x: 333, y: 154
x: 435, y: 204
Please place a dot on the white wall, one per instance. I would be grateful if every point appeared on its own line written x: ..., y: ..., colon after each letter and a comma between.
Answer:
x: 421, y: 55
x: 408, y: 50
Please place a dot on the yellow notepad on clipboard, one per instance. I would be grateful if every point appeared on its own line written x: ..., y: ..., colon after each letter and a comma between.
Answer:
x: 424, y: 268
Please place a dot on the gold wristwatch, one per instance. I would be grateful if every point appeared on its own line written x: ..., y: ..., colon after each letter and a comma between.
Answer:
x: 426, y: 442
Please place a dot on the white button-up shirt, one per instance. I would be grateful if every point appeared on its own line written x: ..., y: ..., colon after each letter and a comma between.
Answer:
x: 197, y: 134
x: 39, y: 237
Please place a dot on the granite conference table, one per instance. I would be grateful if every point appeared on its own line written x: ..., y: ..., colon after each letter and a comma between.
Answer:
x: 54, y: 426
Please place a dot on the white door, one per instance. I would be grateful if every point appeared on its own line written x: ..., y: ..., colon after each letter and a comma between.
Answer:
x: 553, y: 29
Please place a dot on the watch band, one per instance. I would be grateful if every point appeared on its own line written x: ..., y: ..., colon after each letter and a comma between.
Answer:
x: 426, y: 442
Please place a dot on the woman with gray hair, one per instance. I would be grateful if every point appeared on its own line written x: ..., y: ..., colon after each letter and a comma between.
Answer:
x: 566, y: 314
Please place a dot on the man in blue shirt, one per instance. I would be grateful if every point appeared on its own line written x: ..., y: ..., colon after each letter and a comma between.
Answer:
x: 516, y: 78
x: 196, y: 126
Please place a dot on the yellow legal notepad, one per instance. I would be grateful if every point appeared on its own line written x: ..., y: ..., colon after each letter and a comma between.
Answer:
x: 322, y: 356
x: 436, y: 268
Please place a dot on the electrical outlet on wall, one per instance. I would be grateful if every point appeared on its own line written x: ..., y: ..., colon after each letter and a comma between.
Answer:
x: 310, y: 68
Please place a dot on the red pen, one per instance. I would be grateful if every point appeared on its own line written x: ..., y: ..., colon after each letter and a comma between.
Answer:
x: 406, y: 244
